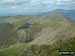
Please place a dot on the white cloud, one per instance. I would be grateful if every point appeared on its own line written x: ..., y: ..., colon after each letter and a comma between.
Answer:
x: 13, y: 7
x: 31, y: 4
x: 10, y: 0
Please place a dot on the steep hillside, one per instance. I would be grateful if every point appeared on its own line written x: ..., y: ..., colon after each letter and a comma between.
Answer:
x: 5, y: 29
x: 67, y: 13
x: 32, y: 35
x: 9, y: 35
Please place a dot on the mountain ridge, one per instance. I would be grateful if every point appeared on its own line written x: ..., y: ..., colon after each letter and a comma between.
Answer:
x: 30, y: 33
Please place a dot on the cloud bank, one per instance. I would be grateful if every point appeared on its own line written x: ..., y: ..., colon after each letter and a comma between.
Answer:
x: 34, y: 6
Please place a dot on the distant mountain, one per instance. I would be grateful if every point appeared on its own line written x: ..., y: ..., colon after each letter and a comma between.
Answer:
x: 67, y: 13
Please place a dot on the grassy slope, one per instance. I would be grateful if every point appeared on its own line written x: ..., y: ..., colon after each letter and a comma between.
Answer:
x: 8, y: 33
x: 11, y: 30
x: 14, y: 51
x: 5, y: 29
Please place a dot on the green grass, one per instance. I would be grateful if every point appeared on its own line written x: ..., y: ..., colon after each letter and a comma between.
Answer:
x: 14, y: 51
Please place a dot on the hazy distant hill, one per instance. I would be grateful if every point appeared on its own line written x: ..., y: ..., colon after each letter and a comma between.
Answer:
x: 68, y: 14
x: 36, y: 35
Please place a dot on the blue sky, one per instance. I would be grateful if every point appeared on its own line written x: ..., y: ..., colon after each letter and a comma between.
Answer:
x: 34, y: 6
